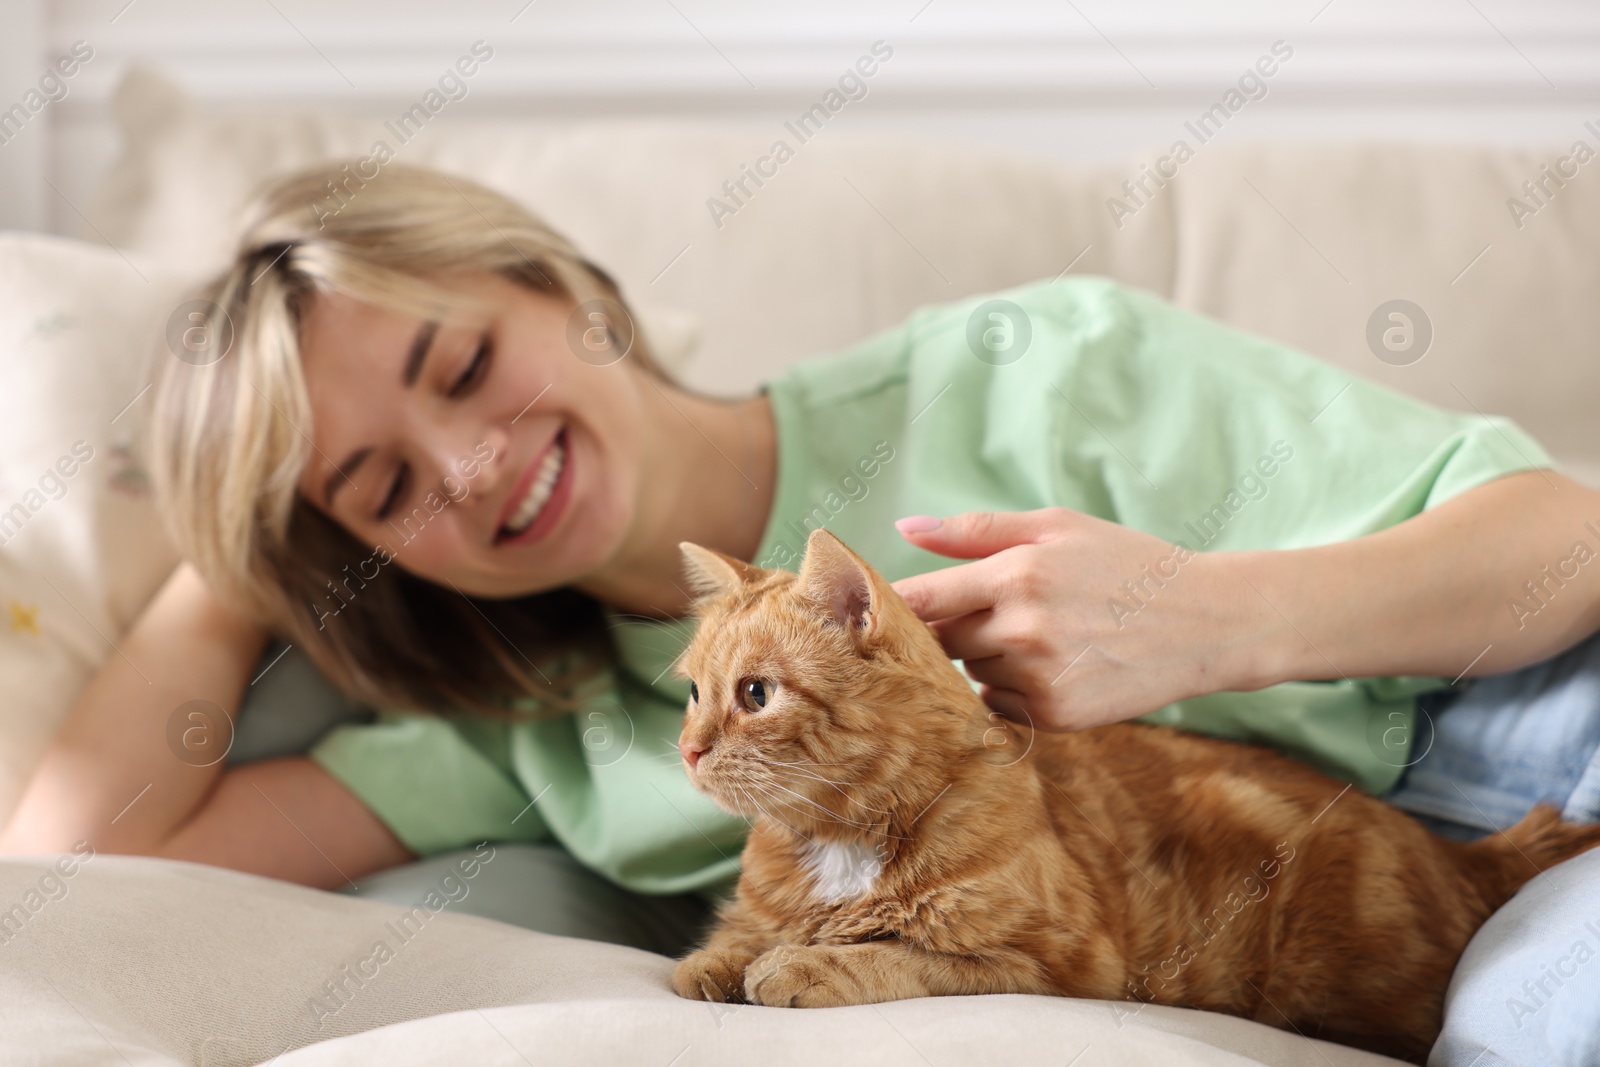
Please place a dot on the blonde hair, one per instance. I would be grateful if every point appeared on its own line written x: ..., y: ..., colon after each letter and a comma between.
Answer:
x: 231, y: 433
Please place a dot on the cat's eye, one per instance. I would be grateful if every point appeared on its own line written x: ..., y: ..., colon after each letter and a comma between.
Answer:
x: 755, y: 693
x: 694, y: 693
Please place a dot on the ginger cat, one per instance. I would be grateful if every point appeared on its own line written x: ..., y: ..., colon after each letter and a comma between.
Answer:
x: 908, y: 842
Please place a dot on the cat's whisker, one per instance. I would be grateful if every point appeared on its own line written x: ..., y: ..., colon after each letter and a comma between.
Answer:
x: 821, y: 807
x: 788, y: 806
x: 866, y: 827
x: 767, y: 814
x: 837, y: 786
x: 796, y: 763
x: 808, y: 774
x: 798, y: 768
x: 632, y: 616
x: 792, y: 769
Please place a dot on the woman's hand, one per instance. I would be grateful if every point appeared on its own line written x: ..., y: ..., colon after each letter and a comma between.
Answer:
x: 1071, y: 621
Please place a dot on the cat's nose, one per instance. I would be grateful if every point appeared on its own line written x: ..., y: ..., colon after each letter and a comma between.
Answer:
x: 690, y: 753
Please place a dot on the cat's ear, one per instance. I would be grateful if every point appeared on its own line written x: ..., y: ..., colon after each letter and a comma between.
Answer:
x: 843, y: 584
x: 710, y: 572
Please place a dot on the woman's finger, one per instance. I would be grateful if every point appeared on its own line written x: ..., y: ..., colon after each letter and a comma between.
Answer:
x: 999, y: 672
x: 975, y: 534
x: 950, y: 592
x: 1008, y: 703
x: 969, y: 636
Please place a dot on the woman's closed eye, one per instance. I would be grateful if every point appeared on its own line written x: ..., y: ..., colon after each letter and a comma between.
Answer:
x: 397, y: 490
x: 474, y: 371
x: 471, y: 375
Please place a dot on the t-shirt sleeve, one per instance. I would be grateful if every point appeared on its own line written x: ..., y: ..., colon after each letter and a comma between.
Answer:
x: 1219, y: 439
x: 431, y: 786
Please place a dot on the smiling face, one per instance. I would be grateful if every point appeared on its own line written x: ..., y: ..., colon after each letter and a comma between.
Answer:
x: 484, y: 454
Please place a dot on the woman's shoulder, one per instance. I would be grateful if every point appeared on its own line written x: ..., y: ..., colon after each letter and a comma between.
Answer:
x: 1079, y: 301
x: 988, y: 329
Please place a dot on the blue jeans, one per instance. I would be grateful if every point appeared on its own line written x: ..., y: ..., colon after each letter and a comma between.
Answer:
x: 1527, y: 989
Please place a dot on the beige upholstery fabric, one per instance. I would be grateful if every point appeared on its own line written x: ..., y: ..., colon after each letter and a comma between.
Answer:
x: 1303, y: 243
x: 161, y: 963
x: 848, y: 238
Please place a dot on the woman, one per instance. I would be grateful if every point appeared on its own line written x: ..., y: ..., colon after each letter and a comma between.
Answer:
x: 427, y: 447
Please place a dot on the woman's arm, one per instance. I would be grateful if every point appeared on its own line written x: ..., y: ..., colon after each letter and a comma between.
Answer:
x: 1071, y: 621
x: 113, y: 779
x: 288, y: 819
x: 1498, y: 577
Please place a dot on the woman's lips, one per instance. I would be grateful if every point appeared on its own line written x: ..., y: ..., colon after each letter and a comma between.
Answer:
x: 554, y: 506
x: 524, y: 480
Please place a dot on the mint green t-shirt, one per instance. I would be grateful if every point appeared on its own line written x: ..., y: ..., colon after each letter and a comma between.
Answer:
x: 1089, y: 396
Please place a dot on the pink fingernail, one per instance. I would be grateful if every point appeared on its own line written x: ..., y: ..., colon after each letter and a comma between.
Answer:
x: 917, y: 524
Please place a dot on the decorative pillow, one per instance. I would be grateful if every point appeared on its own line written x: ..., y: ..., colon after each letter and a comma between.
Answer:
x: 81, y: 545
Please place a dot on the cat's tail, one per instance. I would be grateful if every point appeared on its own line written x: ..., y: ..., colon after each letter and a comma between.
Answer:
x: 1520, y: 854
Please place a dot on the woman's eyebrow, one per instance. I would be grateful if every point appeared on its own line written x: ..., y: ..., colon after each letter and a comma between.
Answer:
x: 414, y: 359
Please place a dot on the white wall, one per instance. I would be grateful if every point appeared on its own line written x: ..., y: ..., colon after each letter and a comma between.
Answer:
x: 23, y: 158
x: 1091, y: 79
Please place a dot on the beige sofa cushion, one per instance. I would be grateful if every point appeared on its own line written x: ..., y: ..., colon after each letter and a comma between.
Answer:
x: 170, y: 963
x: 847, y: 238
x: 1303, y: 244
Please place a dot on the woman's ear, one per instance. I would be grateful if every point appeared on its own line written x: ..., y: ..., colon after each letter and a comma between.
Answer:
x: 710, y: 573
x: 852, y: 593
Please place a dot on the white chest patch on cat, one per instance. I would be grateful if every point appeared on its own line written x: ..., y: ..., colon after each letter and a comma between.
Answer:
x: 841, y: 870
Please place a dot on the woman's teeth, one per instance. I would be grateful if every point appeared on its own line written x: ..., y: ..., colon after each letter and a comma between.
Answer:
x: 539, y: 492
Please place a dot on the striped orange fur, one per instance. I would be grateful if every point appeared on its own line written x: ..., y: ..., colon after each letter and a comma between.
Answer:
x: 908, y: 842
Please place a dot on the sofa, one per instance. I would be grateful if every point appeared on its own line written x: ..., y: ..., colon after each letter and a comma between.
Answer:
x: 109, y: 959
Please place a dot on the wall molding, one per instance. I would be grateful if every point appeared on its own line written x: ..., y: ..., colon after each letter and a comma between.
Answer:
x: 23, y: 158
x: 1352, y: 52
x: 1036, y: 74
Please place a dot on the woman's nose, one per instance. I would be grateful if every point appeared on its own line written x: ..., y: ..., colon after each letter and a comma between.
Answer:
x: 469, y: 463
x: 491, y: 457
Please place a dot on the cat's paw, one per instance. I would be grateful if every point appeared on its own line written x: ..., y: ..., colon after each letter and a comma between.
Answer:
x: 711, y: 974
x: 800, y: 976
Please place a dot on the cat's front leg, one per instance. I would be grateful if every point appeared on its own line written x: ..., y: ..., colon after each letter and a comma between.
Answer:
x: 715, y: 972
x: 712, y: 974
x: 800, y: 976
x: 827, y: 976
